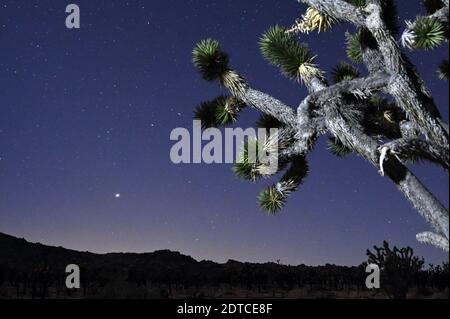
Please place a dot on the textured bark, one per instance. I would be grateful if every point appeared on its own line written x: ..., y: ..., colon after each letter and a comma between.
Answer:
x: 352, y: 135
x: 417, y: 149
x: 381, y: 53
x: 433, y: 239
x: 406, y: 86
x: 361, y: 88
x: 339, y: 10
x: 329, y: 109
x: 420, y: 197
x: 309, y: 125
x: 328, y: 103
x: 269, y: 105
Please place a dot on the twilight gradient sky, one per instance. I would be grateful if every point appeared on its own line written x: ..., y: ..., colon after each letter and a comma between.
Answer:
x: 86, y: 114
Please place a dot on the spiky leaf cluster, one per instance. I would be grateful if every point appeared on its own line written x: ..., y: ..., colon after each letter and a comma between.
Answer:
x: 297, y: 172
x: 249, y: 166
x: 206, y: 113
x: 336, y: 147
x: 377, y: 101
x: 221, y: 111
x: 268, y: 122
x: 228, y: 110
x: 344, y: 72
x: 212, y: 63
x: 234, y: 82
x: 294, y: 59
x: 382, y: 118
x: 443, y: 70
x: 429, y: 33
x: 272, y: 199
x: 210, y: 60
x: 312, y: 20
x: 354, y: 51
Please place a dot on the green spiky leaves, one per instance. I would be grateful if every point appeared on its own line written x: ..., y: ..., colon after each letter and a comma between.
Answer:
x: 221, y: 111
x: 336, y: 147
x: 247, y: 171
x: 212, y: 63
x: 272, y: 199
x: 267, y: 121
x: 260, y: 157
x: 206, y: 113
x: 209, y: 59
x: 344, y: 72
x: 443, y: 70
x: 294, y: 59
x: 428, y: 33
x: 354, y: 51
x: 249, y: 167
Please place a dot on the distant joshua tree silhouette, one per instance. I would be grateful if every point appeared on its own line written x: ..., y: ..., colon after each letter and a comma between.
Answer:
x: 399, y: 268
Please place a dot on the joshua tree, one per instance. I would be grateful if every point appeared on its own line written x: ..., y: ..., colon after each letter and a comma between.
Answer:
x: 399, y: 268
x: 387, y: 116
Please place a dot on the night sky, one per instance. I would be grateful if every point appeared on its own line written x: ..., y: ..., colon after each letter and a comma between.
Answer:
x: 86, y: 114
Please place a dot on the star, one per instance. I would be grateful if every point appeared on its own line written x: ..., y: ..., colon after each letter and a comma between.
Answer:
x: 117, y: 195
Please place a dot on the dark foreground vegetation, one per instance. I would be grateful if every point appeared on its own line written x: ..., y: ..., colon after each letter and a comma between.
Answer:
x: 30, y: 270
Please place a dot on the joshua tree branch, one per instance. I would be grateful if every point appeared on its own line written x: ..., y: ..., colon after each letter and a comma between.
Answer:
x: 362, y: 87
x: 330, y: 103
x: 310, y: 126
x: 440, y: 15
x: 419, y: 196
x: 433, y: 239
x: 415, y: 148
x: 269, y: 105
x: 334, y: 110
x: 339, y: 10
x: 409, y: 129
x: 405, y: 86
x: 370, y: 53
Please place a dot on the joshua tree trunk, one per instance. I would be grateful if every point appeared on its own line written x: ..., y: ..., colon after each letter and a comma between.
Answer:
x: 349, y: 110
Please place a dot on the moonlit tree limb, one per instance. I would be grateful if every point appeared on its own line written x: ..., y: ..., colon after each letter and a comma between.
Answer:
x: 350, y: 110
x: 433, y: 239
x: 414, y: 149
x: 418, y: 104
x: 269, y: 105
x: 339, y: 10
x: 407, y: 183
